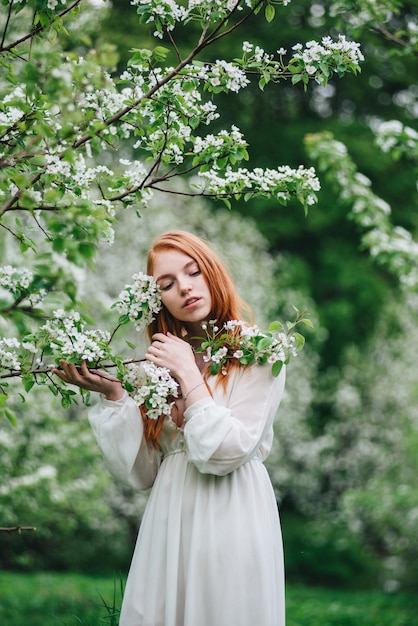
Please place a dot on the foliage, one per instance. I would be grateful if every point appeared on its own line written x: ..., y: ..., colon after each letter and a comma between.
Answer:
x: 53, y: 479
x: 63, y: 112
x: 358, y: 469
x: 64, y: 117
x: 392, y: 246
x: 347, y: 284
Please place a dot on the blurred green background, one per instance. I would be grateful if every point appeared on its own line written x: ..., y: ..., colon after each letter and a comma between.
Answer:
x: 345, y: 462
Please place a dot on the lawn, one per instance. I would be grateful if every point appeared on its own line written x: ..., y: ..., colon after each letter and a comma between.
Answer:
x: 49, y: 599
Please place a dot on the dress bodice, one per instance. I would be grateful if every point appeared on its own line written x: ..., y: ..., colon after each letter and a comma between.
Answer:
x: 171, y: 438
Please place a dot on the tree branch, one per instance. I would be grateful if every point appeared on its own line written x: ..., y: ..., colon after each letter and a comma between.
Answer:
x: 18, y: 529
x: 202, y: 44
x: 381, y: 30
x: 6, y: 26
x: 48, y: 370
x: 36, y: 30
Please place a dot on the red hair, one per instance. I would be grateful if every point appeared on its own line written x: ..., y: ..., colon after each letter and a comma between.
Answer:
x: 226, y: 302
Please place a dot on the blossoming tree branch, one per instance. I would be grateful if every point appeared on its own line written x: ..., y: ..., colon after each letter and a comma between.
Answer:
x: 65, y: 337
x: 78, y: 145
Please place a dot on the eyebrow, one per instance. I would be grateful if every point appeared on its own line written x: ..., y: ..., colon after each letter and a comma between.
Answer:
x: 188, y: 264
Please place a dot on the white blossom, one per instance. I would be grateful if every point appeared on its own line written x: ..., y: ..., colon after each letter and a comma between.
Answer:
x: 151, y: 386
x: 140, y: 301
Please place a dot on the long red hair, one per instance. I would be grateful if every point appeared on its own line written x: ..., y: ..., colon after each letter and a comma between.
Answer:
x: 226, y: 302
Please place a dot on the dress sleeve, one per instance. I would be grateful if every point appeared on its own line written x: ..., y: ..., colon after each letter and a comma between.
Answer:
x: 220, y: 437
x: 118, y: 428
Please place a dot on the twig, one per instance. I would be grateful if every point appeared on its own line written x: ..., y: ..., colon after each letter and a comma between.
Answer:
x: 18, y: 529
x: 37, y: 30
x: 48, y: 370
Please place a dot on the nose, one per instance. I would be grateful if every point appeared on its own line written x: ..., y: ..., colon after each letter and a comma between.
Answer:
x: 184, y: 287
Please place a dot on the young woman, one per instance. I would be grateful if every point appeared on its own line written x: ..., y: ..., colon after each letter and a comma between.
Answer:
x: 209, y: 549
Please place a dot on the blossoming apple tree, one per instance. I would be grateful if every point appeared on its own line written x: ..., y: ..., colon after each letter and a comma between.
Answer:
x: 79, y: 145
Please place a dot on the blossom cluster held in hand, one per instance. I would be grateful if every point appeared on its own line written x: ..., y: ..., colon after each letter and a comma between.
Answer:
x: 249, y: 345
x: 139, y: 302
x: 151, y: 386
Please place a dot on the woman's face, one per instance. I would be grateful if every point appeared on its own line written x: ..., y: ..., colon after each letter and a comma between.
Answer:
x: 184, y: 291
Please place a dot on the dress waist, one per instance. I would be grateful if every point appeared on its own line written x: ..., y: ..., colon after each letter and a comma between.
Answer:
x: 171, y: 452
x: 182, y: 451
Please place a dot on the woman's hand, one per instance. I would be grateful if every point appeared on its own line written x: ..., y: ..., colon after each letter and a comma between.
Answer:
x: 90, y: 379
x: 174, y: 353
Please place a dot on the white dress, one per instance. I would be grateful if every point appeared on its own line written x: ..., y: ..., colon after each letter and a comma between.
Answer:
x: 209, y: 549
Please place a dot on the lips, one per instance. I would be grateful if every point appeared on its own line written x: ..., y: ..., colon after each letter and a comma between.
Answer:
x: 190, y: 302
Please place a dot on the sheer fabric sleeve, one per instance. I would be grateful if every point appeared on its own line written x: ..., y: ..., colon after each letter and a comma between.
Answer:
x: 118, y: 428
x: 220, y: 437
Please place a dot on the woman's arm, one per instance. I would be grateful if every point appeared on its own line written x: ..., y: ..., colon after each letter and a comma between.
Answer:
x: 221, y: 436
x: 118, y: 428
x: 117, y: 425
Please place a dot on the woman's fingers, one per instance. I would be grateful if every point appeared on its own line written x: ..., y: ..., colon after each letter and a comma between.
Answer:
x: 82, y: 376
x: 171, y: 352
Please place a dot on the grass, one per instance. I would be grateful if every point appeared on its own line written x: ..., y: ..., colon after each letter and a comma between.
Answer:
x: 56, y: 599
x: 310, y: 606
x: 50, y: 599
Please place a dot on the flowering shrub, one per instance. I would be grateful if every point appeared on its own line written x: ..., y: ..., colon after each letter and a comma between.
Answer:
x: 61, y: 125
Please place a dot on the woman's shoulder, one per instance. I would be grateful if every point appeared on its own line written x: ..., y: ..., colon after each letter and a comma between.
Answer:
x: 254, y: 376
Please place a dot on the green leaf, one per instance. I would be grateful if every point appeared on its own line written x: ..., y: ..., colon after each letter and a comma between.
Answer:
x: 274, y: 326
x: 300, y: 341
x: 270, y: 12
x: 87, y: 250
x: 28, y: 383
x: 65, y: 402
x: 276, y: 368
x: 160, y: 53
x: 307, y: 322
x: 10, y: 416
x: 296, y: 79
x: 123, y: 319
x: 264, y: 343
